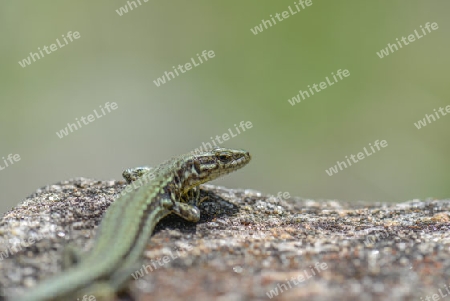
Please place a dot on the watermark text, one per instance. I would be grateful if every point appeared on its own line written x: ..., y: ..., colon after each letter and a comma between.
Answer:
x: 49, y: 49
x: 282, y: 287
x: 11, y: 159
x: 361, y: 155
x: 423, y: 122
x: 124, y: 9
x: 86, y: 120
x: 169, y: 75
x: 265, y: 24
x: 243, y: 125
x: 302, y: 95
x: 391, y: 48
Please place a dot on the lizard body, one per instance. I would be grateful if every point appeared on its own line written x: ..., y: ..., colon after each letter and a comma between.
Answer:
x: 128, y: 223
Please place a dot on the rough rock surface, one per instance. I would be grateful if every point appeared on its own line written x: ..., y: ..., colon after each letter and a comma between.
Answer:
x: 247, y: 246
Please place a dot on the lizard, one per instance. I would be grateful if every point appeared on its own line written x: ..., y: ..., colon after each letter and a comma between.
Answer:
x: 121, y: 238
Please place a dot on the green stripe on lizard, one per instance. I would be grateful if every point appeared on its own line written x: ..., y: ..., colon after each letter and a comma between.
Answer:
x: 129, y: 222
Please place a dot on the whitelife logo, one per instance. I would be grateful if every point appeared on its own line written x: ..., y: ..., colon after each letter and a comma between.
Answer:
x: 360, y: 155
x: 53, y: 47
x: 169, y: 75
x: 411, y: 38
x: 12, y: 159
x: 302, y: 95
x: 86, y: 120
x: 265, y: 24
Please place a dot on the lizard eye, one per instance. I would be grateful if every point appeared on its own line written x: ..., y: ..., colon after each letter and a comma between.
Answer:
x: 224, y: 158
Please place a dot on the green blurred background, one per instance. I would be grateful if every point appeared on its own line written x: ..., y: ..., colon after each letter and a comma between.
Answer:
x: 250, y: 78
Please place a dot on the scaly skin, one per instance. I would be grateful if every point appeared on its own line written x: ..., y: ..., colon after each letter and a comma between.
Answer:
x: 172, y: 187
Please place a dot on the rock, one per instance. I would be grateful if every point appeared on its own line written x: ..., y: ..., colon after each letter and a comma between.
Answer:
x: 247, y: 246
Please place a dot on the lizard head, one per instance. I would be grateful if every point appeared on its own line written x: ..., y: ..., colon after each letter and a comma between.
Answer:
x: 217, y: 162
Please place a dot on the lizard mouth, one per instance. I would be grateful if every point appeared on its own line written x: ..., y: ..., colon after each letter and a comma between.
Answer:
x: 242, y: 158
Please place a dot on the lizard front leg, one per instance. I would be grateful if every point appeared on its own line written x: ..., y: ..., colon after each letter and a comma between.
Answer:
x: 132, y: 174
